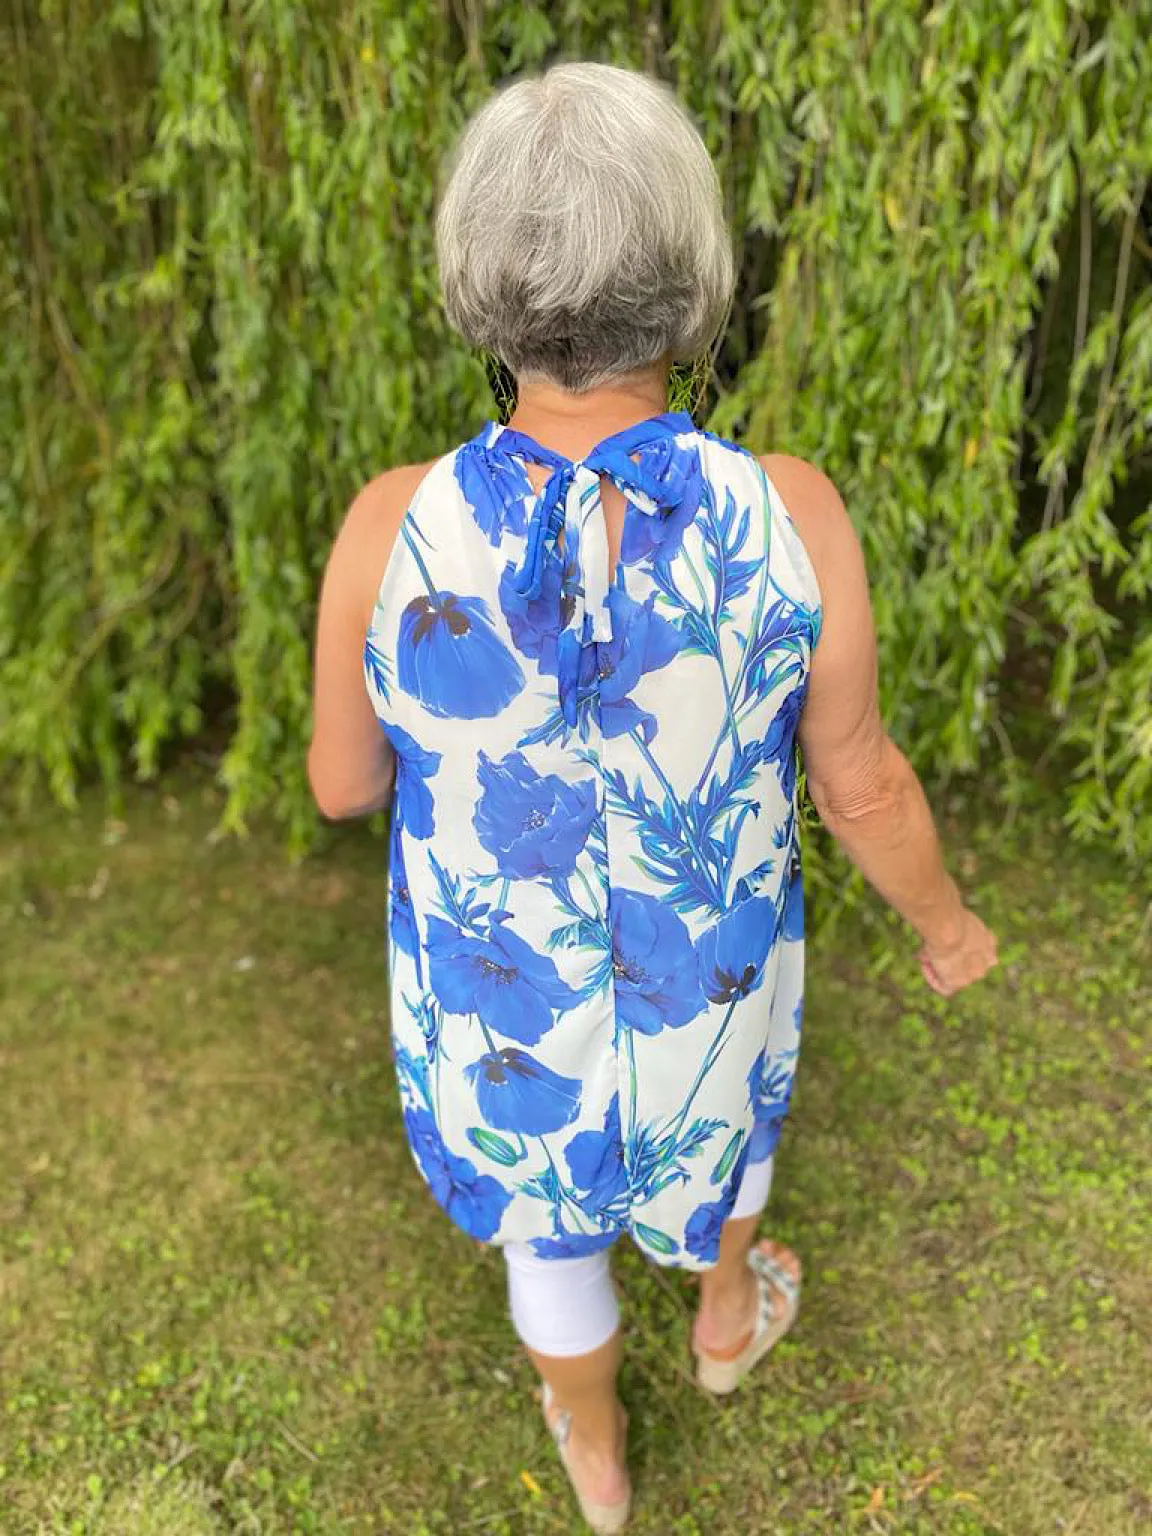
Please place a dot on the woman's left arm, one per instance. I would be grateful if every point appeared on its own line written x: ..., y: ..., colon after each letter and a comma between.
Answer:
x: 350, y: 762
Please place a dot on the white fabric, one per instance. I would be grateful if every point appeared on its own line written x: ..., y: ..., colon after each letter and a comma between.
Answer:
x: 561, y: 1306
x: 567, y: 1307
x: 755, y: 1187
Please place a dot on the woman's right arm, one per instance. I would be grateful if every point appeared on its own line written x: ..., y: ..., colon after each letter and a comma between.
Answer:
x: 866, y: 792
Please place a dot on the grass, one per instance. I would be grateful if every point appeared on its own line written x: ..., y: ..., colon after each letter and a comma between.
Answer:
x: 227, y: 1304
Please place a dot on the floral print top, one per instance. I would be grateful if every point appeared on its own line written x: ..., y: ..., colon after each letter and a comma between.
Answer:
x: 595, y: 908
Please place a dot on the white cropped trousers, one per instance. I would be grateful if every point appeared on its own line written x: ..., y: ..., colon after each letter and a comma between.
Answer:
x: 569, y: 1306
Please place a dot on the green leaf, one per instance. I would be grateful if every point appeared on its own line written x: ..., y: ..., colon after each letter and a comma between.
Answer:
x: 727, y: 1158
x: 660, y: 1242
x: 497, y: 1147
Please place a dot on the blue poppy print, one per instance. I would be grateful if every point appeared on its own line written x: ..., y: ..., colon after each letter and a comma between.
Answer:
x: 532, y: 824
x: 733, y: 954
x: 702, y: 1234
x: 452, y: 660
x: 515, y: 1092
x: 412, y: 801
x: 596, y: 1162
x: 653, y: 965
x: 675, y: 470
x: 642, y: 641
x: 475, y: 1201
x: 496, y: 488
x: 779, y: 743
x: 508, y: 985
x: 534, y: 622
x: 402, y: 919
x: 596, y: 909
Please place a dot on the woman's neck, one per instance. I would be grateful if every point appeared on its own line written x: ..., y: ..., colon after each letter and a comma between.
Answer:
x: 573, y: 424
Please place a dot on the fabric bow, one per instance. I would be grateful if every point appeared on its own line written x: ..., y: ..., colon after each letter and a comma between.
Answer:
x: 651, y: 472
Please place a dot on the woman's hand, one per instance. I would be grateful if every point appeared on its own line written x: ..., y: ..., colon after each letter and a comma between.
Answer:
x: 966, y: 957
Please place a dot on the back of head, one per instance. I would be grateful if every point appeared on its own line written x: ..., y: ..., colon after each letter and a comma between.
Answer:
x: 581, y: 235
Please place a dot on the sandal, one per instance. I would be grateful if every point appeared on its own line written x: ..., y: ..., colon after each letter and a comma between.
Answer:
x: 604, y: 1519
x: 772, y: 1280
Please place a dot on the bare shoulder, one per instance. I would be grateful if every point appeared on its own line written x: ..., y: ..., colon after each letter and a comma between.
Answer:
x: 813, y: 502
x: 368, y: 534
x: 373, y: 520
x: 821, y: 518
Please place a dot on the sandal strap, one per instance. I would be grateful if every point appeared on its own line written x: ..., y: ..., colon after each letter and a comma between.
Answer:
x: 560, y: 1427
x: 767, y: 1269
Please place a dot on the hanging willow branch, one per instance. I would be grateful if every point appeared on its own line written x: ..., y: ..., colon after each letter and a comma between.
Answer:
x: 220, y: 317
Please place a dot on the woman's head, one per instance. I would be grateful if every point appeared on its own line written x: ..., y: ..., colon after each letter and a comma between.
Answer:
x: 581, y: 235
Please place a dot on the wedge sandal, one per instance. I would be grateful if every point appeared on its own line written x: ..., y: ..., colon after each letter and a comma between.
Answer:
x: 772, y: 1280
x: 604, y: 1519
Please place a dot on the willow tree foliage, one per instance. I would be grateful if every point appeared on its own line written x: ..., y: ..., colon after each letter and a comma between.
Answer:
x: 220, y: 317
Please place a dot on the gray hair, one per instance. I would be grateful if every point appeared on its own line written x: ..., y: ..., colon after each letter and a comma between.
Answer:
x: 581, y: 235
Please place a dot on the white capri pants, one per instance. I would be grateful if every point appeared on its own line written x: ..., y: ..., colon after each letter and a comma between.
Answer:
x: 569, y: 1306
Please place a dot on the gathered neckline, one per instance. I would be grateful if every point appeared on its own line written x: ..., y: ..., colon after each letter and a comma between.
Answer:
x: 520, y: 445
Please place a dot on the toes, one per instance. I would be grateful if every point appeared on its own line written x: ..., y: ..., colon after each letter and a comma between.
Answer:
x: 789, y: 1263
x: 782, y: 1256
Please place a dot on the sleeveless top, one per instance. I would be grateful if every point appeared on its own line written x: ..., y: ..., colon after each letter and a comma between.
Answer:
x: 595, y: 908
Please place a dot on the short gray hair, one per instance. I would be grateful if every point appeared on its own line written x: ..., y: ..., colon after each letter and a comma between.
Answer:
x: 581, y: 235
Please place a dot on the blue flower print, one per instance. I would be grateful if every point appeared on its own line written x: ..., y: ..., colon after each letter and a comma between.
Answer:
x: 654, y: 966
x: 532, y: 824
x: 596, y: 1162
x: 588, y: 872
x: 536, y: 622
x: 702, y: 1234
x: 510, y: 988
x: 401, y: 918
x: 763, y: 1140
x: 475, y: 1201
x: 769, y: 1092
x: 412, y: 803
x: 793, y: 925
x: 515, y: 1092
x: 642, y: 641
x: 496, y: 488
x: 573, y: 1245
x: 733, y: 953
x: 452, y: 660
x: 676, y: 470
x: 781, y: 735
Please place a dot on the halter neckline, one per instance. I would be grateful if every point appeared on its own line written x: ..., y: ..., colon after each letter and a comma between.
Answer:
x: 655, y: 473
x: 627, y: 440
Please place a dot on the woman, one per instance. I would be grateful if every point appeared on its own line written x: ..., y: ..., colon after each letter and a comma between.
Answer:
x: 592, y: 639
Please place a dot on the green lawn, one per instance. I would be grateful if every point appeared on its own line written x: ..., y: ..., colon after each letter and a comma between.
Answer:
x: 227, y: 1304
